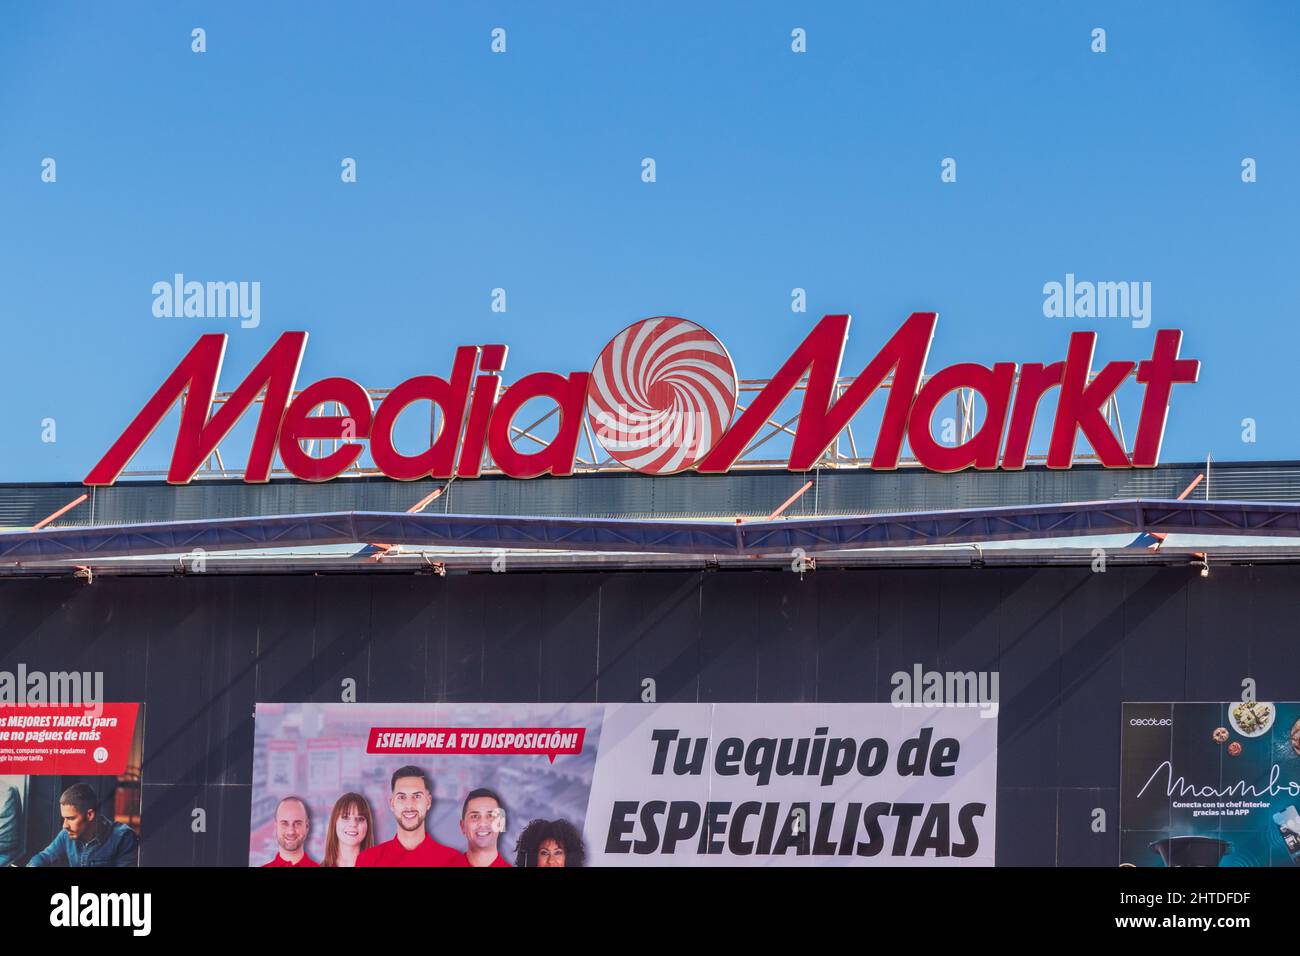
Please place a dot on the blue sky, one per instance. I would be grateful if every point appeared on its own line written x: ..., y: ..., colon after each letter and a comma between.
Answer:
x: 522, y: 171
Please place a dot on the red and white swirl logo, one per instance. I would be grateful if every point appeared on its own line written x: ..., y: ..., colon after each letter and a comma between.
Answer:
x: 662, y: 393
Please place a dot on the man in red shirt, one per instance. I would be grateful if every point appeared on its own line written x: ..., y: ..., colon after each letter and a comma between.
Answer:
x: 482, y: 820
x: 411, y: 801
x: 291, y: 829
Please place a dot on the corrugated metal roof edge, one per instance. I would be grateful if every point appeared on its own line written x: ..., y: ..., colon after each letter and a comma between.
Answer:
x: 971, y: 557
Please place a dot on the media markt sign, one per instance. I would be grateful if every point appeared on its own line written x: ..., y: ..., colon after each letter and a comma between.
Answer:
x: 661, y: 398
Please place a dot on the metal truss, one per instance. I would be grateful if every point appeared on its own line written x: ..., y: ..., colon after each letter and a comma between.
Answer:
x: 422, y: 530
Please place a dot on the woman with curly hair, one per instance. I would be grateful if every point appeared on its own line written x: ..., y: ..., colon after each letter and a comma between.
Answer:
x: 550, y: 843
x: 351, y: 830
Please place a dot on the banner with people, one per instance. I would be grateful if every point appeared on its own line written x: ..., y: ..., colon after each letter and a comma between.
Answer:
x: 70, y: 784
x: 1210, y: 784
x: 480, y: 784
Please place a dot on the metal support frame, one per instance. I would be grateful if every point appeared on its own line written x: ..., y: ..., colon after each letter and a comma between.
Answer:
x: 1018, y: 523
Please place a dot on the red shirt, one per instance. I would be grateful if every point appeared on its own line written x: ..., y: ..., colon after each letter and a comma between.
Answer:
x: 306, y: 861
x: 392, y: 853
x: 464, y: 860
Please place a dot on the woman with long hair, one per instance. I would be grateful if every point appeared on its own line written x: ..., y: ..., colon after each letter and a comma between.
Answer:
x: 351, y: 830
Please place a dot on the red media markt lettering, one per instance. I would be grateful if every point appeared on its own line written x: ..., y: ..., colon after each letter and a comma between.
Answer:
x: 661, y: 399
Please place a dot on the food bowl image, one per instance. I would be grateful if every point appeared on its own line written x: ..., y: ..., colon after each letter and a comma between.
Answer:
x: 1191, y: 850
x: 1252, y: 718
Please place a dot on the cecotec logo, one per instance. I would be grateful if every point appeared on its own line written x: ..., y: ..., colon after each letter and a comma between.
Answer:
x: 1150, y: 722
x: 660, y: 397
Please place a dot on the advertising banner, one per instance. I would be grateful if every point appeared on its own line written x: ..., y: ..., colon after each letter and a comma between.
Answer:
x: 70, y: 784
x: 624, y: 784
x: 69, y: 739
x: 1210, y: 784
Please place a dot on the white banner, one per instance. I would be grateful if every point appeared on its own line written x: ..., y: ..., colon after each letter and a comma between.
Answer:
x: 793, y: 784
x: 634, y: 784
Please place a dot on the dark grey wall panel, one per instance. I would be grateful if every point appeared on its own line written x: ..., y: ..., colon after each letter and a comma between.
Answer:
x: 649, y: 628
x: 1220, y: 625
x: 728, y: 639
x: 463, y: 655
x: 570, y: 632
x: 846, y: 634
x: 512, y: 642
x: 1274, y: 626
x: 787, y: 638
x: 1153, y: 657
x: 1029, y: 666
x: 286, y: 634
x: 1027, y: 822
x: 399, y: 646
x: 1092, y: 632
x: 909, y: 627
x: 1079, y: 842
x: 1070, y: 646
x: 968, y: 621
x: 343, y: 637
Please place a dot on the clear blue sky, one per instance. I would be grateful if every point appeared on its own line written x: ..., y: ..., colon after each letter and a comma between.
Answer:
x: 522, y: 171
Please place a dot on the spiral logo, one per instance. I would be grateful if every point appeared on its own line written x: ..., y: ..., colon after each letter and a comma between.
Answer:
x: 662, y: 393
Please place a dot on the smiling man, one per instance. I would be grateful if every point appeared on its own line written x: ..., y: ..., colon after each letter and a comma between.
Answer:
x: 411, y: 801
x: 292, y: 825
x: 482, y: 820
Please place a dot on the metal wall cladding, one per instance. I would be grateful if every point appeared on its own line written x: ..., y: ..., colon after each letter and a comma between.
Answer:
x: 1070, y: 647
x: 629, y: 495
x: 21, y: 506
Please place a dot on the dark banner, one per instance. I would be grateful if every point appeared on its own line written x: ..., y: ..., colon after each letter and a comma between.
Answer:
x: 1210, y: 784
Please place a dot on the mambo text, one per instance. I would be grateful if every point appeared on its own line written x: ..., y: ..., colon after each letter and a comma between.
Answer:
x: 478, y: 413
